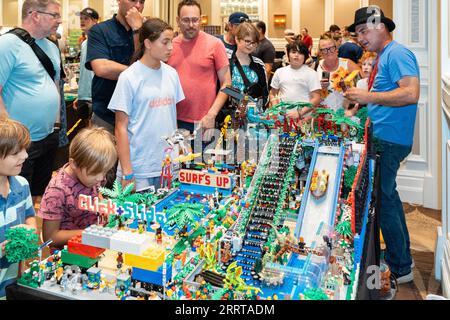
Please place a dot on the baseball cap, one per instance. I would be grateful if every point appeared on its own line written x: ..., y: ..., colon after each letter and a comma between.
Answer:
x: 238, y: 17
x: 89, y: 12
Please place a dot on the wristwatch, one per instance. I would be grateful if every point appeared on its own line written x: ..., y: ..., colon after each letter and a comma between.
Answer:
x: 57, y: 126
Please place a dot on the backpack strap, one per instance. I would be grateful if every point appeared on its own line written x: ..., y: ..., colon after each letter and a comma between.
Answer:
x: 40, y: 54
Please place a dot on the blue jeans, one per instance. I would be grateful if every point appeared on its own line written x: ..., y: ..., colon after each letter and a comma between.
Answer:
x: 392, y: 216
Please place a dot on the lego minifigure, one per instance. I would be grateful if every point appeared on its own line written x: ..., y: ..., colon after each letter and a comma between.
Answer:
x: 158, y: 235
x: 119, y: 260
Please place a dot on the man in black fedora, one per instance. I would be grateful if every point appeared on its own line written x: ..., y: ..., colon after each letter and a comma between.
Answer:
x: 394, y: 89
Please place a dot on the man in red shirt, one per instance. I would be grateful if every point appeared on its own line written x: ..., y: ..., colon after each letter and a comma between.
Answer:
x: 306, y: 39
x: 200, y: 60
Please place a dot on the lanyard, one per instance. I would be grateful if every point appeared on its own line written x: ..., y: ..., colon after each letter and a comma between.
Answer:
x: 373, y: 74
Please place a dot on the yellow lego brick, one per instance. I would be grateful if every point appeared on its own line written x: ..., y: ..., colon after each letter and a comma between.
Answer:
x: 151, y: 259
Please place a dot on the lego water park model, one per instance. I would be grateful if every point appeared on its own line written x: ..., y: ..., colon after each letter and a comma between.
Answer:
x: 289, y: 225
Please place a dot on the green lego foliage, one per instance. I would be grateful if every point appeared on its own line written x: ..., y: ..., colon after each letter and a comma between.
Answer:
x: 349, y: 176
x: 345, y: 229
x: 184, y: 215
x: 315, y: 294
x: 22, y: 244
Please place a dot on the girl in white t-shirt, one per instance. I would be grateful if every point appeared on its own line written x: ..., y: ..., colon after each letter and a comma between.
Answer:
x: 296, y: 82
x: 145, y: 101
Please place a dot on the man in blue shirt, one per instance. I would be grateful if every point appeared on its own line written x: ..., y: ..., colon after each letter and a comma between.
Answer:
x: 27, y: 92
x: 111, y: 46
x: 394, y: 90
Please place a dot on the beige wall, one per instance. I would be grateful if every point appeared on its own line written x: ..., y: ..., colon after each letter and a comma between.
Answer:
x: 344, y: 12
x: 312, y: 16
x: 98, y: 6
x: 279, y: 7
x: 206, y: 8
x: 385, y: 5
x: 9, y: 12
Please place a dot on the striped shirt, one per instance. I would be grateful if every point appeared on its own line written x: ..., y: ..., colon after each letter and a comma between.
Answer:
x: 14, y: 210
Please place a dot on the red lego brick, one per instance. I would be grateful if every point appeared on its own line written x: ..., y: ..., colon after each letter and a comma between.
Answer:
x: 75, y: 246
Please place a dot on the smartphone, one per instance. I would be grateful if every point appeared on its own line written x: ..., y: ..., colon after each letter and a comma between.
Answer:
x: 325, y: 75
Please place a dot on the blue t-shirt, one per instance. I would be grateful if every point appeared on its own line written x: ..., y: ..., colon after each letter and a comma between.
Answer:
x: 394, y: 124
x: 14, y: 210
x: 85, y: 82
x: 107, y: 40
x: 30, y: 95
x: 149, y: 98
x: 238, y: 82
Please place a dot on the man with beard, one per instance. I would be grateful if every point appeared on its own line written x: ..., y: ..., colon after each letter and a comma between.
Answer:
x: 200, y: 60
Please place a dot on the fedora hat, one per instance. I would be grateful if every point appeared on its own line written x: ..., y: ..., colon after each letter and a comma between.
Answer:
x: 373, y: 15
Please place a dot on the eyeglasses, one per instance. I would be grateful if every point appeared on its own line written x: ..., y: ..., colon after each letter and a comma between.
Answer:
x: 250, y: 43
x: 188, y: 21
x: 329, y: 50
x: 55, y: 16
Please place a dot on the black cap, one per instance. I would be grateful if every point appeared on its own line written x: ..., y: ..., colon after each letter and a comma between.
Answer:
x: 238, y: 17
x: 88, y: 12
x: 371, y: 15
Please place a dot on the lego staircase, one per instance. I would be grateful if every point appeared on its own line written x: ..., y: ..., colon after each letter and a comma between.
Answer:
x: 265, y: 207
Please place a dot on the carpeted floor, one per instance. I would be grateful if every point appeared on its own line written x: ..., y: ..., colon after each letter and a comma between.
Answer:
x: 422, y: 225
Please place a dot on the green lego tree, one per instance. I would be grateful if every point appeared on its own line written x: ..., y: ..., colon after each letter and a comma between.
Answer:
x: 184, y: 215
x: 344, y: 228
x: 121, y: 195
x: 22, y: 244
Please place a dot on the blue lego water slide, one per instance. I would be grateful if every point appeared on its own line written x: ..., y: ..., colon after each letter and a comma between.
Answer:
x: 316, y: 213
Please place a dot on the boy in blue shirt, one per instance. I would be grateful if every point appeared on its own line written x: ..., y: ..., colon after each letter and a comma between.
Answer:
x: 16, y: 206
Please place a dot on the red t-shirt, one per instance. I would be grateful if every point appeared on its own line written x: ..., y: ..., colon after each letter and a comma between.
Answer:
x: 60, y: 202
x: 197, y: 63
x: 308, y: 41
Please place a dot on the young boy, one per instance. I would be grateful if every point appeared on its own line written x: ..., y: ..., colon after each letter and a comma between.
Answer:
x: 16, y: 206
x: 92, y: 154
x: 296, y: 82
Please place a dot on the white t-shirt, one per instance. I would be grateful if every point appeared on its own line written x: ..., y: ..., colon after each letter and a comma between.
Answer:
x: 295, y: 85
x: 149, y: 98
x: 363, y: 84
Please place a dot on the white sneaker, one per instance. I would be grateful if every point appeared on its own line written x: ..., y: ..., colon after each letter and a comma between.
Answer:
x: 406, y: 278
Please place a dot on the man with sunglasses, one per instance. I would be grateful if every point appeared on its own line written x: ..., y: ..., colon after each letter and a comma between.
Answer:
x: 228, y: 39
x: 28, y: 93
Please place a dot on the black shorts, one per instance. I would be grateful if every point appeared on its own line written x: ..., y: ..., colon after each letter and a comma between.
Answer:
x: 37, y: 169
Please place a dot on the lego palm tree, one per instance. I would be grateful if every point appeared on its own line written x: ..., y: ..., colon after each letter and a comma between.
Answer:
x: 184, y: 215
x: 22, y: 244
x: 121, y: 195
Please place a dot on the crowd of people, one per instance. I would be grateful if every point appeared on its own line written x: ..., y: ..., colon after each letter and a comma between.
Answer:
x: 139, y: 82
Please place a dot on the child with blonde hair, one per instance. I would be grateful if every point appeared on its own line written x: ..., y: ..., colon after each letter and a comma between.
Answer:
x: 16, y: 206
x: 92, y: 154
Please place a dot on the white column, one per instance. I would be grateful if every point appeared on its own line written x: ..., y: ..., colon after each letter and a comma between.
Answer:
x: 19, y: 12
x: 363, y: 3
x: 215, y: 13
x: 1, y: 14
x: 296, y: 16
x: 329, y: 14
x: 84, y: 4
x: 156, y: 8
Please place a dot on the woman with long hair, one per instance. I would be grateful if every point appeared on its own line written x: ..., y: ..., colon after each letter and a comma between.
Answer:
x: 144, y: 102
